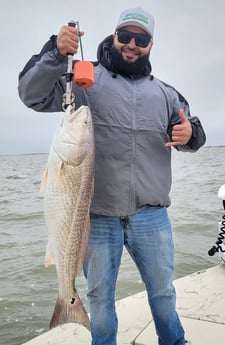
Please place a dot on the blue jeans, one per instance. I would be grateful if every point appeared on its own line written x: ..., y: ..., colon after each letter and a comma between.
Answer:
x: 147, y: 237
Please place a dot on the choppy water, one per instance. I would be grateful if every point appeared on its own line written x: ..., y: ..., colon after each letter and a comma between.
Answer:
x: 28, y: 291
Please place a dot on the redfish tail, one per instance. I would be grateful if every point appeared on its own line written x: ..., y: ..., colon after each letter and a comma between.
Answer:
x: 73, y: 311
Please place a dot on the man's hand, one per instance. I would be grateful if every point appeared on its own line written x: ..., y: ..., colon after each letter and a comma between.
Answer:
x: 68, y: 40
x: 181, y: 134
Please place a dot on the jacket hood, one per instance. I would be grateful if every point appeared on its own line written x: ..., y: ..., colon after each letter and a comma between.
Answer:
x: 103, y: 57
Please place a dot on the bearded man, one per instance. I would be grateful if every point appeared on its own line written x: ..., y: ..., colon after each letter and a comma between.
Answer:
x: 137, y: 120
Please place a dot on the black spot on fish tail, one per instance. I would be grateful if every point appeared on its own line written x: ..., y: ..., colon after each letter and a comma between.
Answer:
x: 72, y: 311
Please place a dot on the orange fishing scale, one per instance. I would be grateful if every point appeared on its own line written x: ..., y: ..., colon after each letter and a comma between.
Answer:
x: 83, y: 73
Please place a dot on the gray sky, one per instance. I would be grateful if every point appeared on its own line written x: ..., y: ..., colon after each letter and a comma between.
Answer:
x: 188, y: 53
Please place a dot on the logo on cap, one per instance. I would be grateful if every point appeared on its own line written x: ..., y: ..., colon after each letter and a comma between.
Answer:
x: 135, y: 16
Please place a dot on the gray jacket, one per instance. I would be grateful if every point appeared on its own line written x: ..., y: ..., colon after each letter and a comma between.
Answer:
x: 133, y: 119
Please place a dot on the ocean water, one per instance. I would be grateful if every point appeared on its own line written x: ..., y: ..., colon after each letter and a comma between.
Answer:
x: 28, y: 291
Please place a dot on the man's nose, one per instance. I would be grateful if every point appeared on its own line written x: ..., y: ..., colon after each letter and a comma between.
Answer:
x: 132, y: 43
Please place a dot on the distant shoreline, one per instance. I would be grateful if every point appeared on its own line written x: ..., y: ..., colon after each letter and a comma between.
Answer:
x: 45, y: 153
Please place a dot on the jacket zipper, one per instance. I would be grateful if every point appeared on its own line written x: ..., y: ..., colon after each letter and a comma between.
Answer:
x: 133, y: 151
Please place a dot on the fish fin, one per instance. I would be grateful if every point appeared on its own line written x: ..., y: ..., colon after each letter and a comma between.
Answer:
x: 73, y: 311
x: 61, y: 172
x: 57, y: 170
x: 49, y: 258
x: 44, y: 179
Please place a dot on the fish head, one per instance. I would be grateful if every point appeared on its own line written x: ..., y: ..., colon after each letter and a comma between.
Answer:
x: 74, y: 137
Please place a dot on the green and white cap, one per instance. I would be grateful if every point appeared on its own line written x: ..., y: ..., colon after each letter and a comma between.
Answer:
x: 138, y: 17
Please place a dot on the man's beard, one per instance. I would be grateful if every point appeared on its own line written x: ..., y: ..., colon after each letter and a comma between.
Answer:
x: 126, y: 68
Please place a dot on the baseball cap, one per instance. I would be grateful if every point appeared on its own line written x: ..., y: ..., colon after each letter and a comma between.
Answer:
x: 138, y: 17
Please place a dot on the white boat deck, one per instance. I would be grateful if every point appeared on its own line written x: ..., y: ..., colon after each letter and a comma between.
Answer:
x: 200, y: 305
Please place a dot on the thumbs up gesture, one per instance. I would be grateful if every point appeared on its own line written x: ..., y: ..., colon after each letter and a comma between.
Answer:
x: 181, y: 134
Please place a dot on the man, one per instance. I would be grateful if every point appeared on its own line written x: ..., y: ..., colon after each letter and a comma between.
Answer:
x: 137, y: 119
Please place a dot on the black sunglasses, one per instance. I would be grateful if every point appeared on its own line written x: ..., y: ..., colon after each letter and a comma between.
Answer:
x: 141, y: 40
